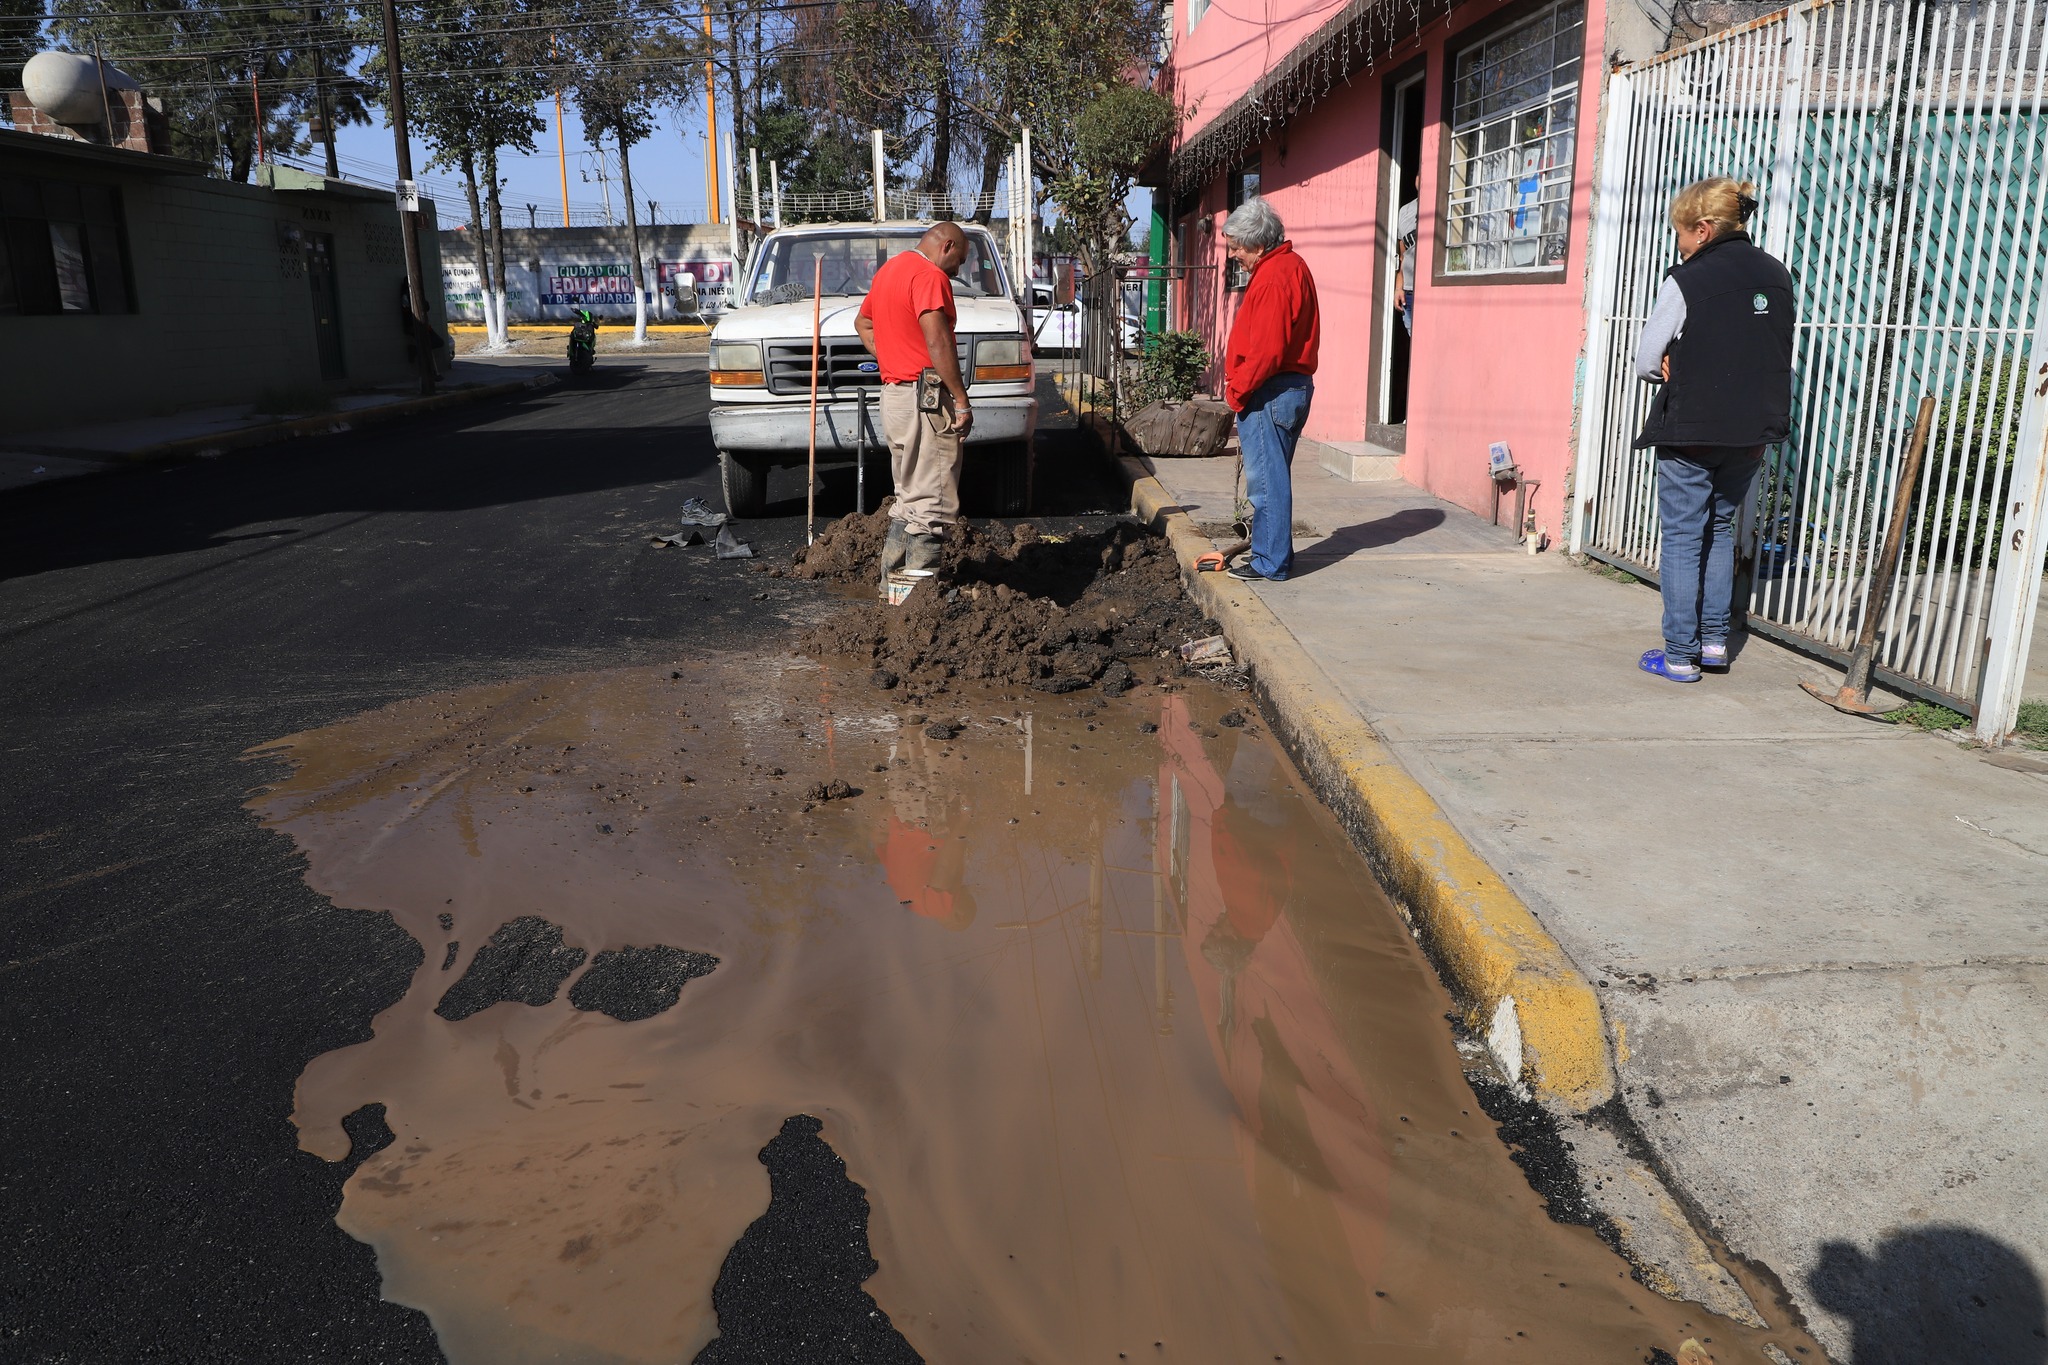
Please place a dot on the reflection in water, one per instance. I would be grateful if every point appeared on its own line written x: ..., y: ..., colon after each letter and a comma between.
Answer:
x: 977, y: 973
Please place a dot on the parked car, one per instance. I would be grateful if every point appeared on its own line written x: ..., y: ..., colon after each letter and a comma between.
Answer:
x: 1057, y: 326
x: 761, y: 364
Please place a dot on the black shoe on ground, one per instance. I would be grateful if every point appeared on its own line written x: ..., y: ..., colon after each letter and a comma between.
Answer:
x: 1245, y: 573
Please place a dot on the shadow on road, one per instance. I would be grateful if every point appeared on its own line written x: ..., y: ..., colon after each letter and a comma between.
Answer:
x: 1934, y: 1295
x: 621, y: 426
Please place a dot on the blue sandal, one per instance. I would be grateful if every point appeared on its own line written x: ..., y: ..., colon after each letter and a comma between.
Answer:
x: 1653, y: 661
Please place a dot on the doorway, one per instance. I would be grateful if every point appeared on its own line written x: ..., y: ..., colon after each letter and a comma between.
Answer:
x: 326, y: 303
x: 1403, y: 200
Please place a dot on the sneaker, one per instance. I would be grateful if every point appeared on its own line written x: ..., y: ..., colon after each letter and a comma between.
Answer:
x: 1245, y: 573
x: 1714, y: 656
x: 1653, y: 661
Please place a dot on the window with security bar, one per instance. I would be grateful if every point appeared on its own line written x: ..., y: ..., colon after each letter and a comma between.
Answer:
x: 1514, y: 120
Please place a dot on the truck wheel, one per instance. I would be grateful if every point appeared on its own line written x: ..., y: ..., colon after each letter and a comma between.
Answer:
x: 745, y: 485
x: 997, y: 480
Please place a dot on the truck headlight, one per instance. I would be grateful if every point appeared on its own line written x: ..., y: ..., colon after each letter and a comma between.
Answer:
x: 1001, y: 358
x: 736, y: 362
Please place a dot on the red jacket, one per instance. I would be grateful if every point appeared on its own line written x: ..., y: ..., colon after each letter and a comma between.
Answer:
x: 1277, y: 330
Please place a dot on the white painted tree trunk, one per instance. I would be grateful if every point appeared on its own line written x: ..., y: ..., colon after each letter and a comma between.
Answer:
x: 504, y: 322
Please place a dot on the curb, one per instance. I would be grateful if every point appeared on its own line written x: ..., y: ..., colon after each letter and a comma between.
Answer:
x: 326, y: 424
x: 1518, y: 987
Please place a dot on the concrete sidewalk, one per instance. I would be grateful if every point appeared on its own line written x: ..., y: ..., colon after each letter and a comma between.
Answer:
x: 1819, y: 944
x: 40, y: 456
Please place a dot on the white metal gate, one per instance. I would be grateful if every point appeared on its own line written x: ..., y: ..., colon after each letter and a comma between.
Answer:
x: 1902, y: 160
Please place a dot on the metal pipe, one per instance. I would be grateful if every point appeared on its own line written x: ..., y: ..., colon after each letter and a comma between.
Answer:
x: 817, y: 327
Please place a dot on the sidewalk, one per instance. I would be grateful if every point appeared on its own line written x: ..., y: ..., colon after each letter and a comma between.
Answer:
x: 39, y: 456
x: 1819, y: 945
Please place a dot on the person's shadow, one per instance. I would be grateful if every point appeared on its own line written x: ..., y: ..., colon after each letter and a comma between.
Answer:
x: 1346, y: 541
x: 1934, y: 1295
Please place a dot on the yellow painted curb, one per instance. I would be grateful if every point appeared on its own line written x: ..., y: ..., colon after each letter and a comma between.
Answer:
x: 1486, y: 942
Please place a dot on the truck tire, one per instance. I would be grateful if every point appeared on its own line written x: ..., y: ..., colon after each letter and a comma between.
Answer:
x: 996, y: 480
x: 744, y: 481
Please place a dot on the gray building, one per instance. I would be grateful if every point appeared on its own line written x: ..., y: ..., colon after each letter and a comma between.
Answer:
x: 135, y: 285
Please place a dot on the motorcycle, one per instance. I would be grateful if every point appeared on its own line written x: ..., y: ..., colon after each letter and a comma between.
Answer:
x: 582, y: 343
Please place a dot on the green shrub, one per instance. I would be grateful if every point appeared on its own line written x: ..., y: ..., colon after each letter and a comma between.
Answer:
x: 1925, y: 715
x: 1173, y: 367
x: 2032, y: 726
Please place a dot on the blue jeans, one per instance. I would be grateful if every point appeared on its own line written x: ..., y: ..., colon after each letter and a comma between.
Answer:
x: 1701, y: 490
x: 1267, y: 430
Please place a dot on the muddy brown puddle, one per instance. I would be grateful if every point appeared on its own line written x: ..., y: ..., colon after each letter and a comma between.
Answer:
x: 1127, y: 1049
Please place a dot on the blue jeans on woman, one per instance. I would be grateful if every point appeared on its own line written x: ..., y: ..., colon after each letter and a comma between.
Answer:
x: 1267, y: 431
x: 1701, y: 491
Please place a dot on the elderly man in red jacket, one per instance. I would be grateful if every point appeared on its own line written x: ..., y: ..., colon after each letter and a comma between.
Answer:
x: 1267, y: 366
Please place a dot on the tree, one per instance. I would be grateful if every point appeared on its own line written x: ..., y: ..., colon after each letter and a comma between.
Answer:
x: 626, y: 65
x: 21, y: 24
x: 471, y: 86
x: 213, y: 64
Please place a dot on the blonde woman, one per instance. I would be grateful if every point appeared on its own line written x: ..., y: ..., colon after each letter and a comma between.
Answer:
x: 1719, y: 341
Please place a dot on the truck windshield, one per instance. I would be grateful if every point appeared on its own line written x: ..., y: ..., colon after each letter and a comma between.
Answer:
x: 850, y: 260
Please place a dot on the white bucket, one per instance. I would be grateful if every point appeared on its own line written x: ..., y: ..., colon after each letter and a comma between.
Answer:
x: 899, y: 585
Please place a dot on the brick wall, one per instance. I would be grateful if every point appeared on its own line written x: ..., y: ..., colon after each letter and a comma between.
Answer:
x: 137, y: 126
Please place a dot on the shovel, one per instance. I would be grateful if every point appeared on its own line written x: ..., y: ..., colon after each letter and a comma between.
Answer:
x: 1853, y: 697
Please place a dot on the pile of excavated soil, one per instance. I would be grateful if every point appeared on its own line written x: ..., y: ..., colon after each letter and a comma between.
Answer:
x: 1011, y: 605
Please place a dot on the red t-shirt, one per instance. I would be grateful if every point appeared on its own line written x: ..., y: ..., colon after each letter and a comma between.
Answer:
x: 906, y: 288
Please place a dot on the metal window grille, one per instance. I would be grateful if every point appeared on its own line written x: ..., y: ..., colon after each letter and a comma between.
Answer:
x: 1514, y: 124
x: 1900, y: 149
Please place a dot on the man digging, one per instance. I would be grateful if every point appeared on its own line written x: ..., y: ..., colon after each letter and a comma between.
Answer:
x: 907, y: 323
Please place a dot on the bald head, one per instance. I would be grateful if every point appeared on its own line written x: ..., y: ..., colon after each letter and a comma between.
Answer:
x: 944, y: 245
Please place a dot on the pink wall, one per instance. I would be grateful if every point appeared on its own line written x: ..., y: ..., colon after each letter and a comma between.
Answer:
x: 1235, y: 43
x: 1491, y: 362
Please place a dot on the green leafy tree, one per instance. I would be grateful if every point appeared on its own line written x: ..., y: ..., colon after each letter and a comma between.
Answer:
x: 213, y: 64
x: 472, y: 81
x: 21, y: 25
x: 627, y: 65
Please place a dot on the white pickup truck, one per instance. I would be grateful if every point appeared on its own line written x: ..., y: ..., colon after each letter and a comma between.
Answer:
x: 761, y: 364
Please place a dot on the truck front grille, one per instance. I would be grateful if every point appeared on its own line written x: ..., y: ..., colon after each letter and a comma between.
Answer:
x: 844, y: 367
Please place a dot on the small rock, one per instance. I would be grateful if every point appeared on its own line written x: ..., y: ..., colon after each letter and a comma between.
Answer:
x: 1233, y: 719
x: 775, y: 772
x: 604, y: 829
x: 883, y: 679
x: 1146, y: 727
x: 1117, y: 679
x: 938, y: 729
x: 916, y: 717
x: 835, y: 790
x: 879, y: 768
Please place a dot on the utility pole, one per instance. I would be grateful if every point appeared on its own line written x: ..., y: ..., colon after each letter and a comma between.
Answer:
x: 325, y: 115
x: 711, y: 122
x: 561, y: 147
x: 408, y: 203
x: 531, y: 220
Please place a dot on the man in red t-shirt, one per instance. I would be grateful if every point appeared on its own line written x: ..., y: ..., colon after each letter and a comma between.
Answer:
x: 907, y: 322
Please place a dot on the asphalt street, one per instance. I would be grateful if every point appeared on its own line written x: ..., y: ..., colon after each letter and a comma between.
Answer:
x: 165, y: 975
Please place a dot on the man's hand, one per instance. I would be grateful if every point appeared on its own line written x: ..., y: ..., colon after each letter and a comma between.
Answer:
x: 963, y: 419
x: 1667, y: 367
x: 943, y: 352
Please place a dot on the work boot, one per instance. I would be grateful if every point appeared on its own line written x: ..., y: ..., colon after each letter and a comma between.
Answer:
x: 925, y: 550
x: 895, y: 548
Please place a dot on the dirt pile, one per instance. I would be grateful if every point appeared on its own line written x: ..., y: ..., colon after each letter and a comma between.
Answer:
x: 1012, y: 605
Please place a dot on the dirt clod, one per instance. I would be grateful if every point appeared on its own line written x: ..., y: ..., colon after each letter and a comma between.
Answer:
x: 938, y: 729
x: 835, y: 790
x: 1010, y: 605
x: 1233, y: 719
x: 884, y: 679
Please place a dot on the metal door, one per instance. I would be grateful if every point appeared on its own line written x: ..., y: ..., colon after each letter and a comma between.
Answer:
x: 1901, y: 155
x: 326, y: 303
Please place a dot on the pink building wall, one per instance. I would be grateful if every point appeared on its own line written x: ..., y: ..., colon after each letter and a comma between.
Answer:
x: 1490, y: 362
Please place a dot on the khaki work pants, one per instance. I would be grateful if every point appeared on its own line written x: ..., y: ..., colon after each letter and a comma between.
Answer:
x: 925, y: 459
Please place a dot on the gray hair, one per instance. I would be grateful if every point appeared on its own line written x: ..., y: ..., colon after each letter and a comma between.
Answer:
x: 1254, y: 224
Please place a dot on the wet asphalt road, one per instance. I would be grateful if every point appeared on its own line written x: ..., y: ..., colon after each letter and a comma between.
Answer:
x: 165, y: 975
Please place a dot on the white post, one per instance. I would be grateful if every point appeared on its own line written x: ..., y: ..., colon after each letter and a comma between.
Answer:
x: 732, y: 217
x: 1609, y: 211
x: 1781, y: 193
x: 1030, y: 211
x: 881, y: 176
x: 775, y: 190
x: 2009, y: 625
x: 754, y: 182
